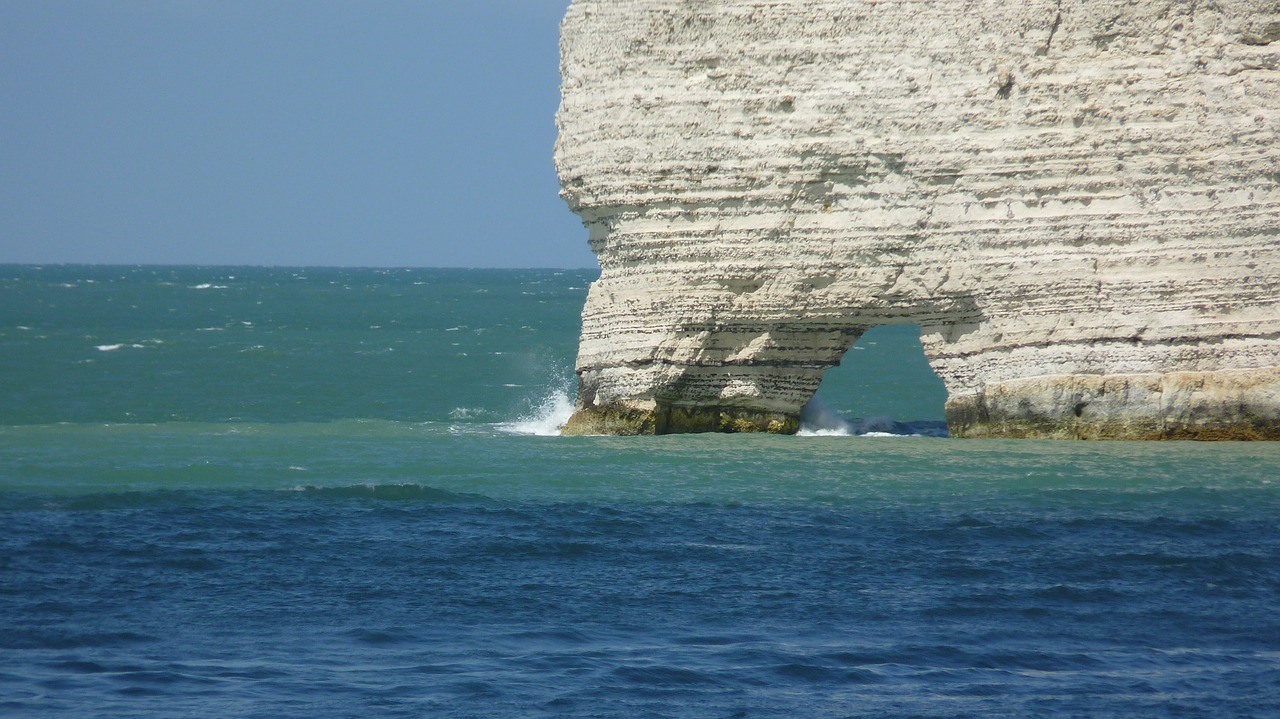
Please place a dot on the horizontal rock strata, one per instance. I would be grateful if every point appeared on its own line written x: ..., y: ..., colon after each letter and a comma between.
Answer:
x: 1077, y: 201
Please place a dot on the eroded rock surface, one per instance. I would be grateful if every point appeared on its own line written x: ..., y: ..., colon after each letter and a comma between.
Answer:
x: 1077, y: 200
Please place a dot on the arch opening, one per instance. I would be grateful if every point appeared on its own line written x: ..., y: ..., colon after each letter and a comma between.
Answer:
x: 882, y: 386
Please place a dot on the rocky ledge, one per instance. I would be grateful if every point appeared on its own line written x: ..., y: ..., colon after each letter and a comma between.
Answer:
x: 1077, y: 201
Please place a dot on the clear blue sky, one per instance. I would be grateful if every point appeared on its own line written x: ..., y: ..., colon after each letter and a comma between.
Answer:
x: 282, y: 132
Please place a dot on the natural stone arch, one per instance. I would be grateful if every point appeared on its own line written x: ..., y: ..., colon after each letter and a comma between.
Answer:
x: 1076, y: 200
x: 735, y: 356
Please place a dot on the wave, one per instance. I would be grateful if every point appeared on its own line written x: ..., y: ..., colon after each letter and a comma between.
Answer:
x: 819, y: 420
x: 388, y: 491
x: 546, y: 419
x: 467, y: 412
x: 128, y: 345
x: 816, y: 420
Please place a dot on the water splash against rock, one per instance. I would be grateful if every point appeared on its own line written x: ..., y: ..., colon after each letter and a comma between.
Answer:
x: 546, y: 419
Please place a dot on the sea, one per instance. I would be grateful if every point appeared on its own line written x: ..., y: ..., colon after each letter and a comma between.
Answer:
x: 318, y: 492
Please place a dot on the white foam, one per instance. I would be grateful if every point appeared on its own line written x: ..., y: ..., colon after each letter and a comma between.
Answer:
x: 806, y: 432
x: 818, y: 420
x: 113, y: 348
x: 547, y: 419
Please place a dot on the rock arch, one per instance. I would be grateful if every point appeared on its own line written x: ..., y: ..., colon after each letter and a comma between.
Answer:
x: 1077, y: 201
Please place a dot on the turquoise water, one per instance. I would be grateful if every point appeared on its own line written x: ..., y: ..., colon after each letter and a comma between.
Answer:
x: 297, y: 493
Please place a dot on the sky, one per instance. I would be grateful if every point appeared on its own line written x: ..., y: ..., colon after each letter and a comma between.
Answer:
x: 378, y: 133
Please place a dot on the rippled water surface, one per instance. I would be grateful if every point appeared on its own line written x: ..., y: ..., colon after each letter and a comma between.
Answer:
x: 334, y: 510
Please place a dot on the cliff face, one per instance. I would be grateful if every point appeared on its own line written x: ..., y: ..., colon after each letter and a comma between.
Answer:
x: 1077, y: 200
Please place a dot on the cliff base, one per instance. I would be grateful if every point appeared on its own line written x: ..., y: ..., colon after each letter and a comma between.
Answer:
x: 625, y: 419
x: 1222, y: 405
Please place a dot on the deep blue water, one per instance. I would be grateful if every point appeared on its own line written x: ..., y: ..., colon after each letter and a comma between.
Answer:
x: 300, y: 493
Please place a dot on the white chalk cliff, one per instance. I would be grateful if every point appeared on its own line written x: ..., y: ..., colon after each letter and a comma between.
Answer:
x: 1078, y: 201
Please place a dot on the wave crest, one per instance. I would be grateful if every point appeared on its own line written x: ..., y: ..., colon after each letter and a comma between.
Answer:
x: 818, y: 420
x: 546, y: 419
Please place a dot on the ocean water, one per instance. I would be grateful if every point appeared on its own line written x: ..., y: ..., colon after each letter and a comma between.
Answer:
x: 238, y: 492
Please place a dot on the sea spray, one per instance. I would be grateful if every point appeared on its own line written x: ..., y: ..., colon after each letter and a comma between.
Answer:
x: 819, y: 420
x: 546, y: 419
